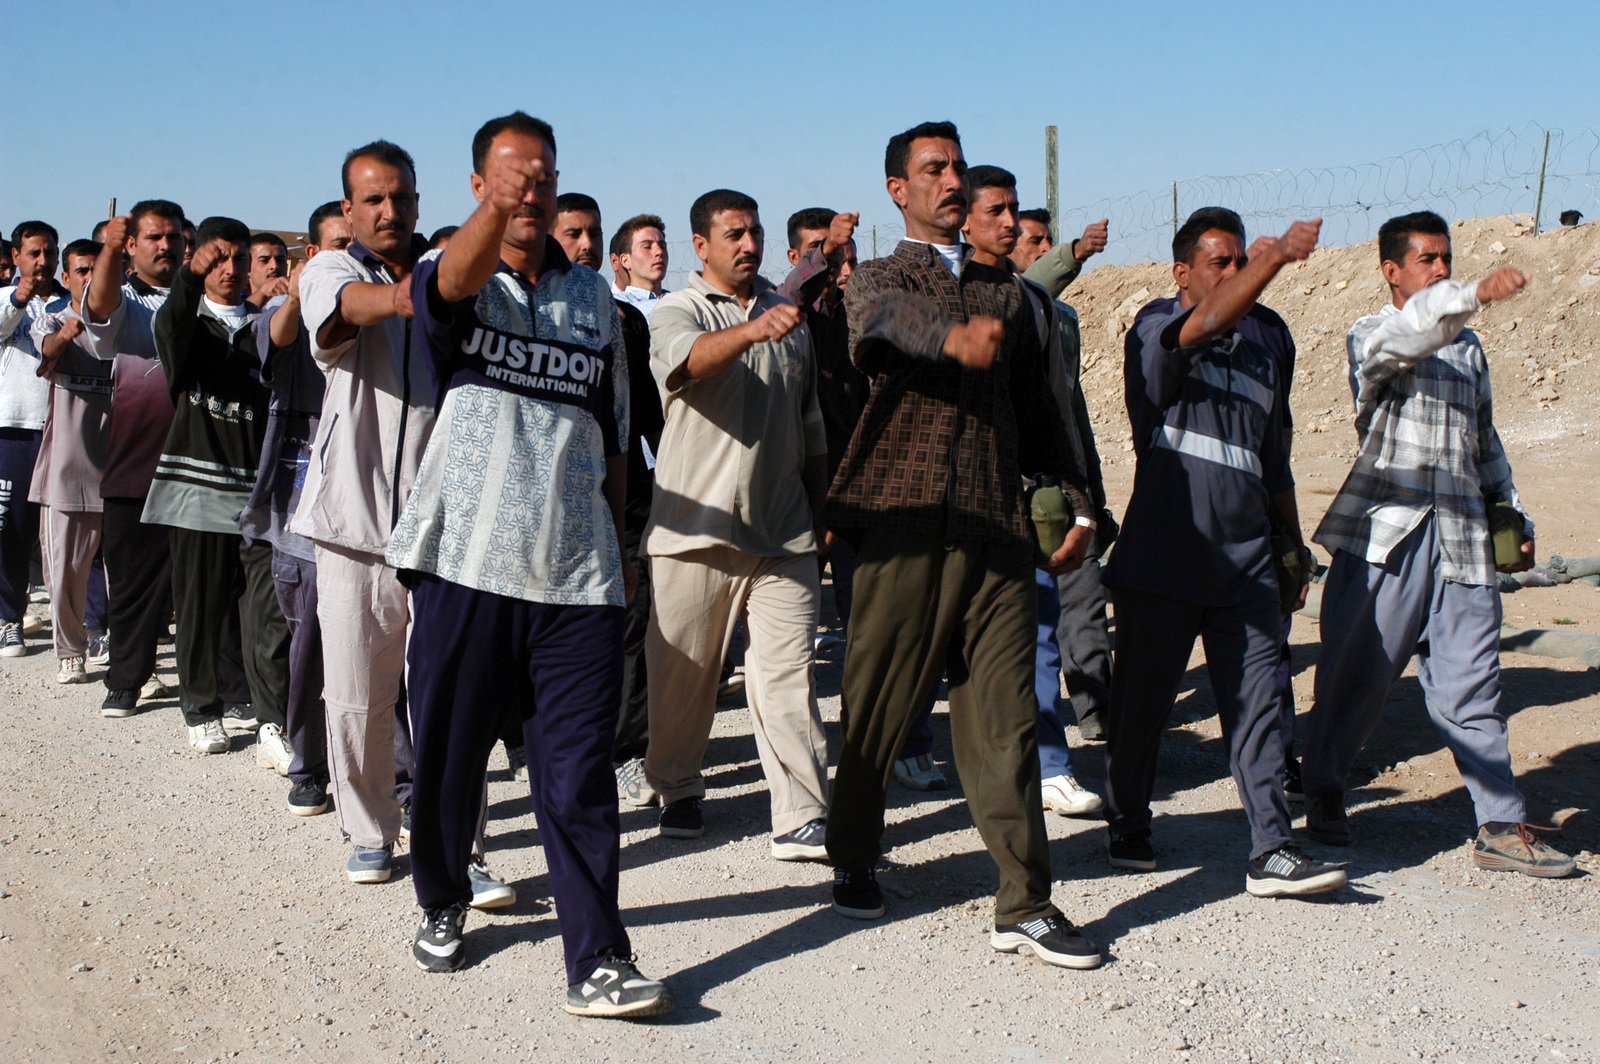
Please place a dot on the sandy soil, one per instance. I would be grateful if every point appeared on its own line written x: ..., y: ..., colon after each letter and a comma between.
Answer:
x: 156, y: 905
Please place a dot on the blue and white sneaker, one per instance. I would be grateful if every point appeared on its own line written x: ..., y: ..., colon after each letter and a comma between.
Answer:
x: 370, y: 864
x: 487, y: 891
x: 616, y: 988
x: 438, y: 946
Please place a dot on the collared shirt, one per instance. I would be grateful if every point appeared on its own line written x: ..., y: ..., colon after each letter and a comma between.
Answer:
x: 1427, y: 441
x: 940, y: 450
x: 1208, y: 434
x: 377, y: 410
x: 642, y: 298
x: 535, y: 380
x: 72, y: 454
x: 734, y: 447
x: 141, y: 407
x: 24, y: 395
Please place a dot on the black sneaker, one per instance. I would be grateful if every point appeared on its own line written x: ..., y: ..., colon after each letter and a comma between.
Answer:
x: 1052, y: 939
x: 1132, y: 851
x: 240, y: 717
x: 308, y: 798
x: 617, y: 989
x: 438, y: 946
x: 1287, y: 872
x: 120, y: 702
x: 804, y: 843
x: 1325, y: 819
x: 1293, y: 789
x: 682, y: 819
x: 856, y: 893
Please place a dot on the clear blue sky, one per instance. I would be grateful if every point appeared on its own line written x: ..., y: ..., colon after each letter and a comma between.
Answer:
x: 250, y: 113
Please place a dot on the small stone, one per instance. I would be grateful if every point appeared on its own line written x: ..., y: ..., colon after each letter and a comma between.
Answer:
x: 1498, y: 248
x: 1341, y: 286
x: 81, y: 967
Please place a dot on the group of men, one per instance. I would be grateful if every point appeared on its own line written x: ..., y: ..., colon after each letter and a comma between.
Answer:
x: 406, y: 501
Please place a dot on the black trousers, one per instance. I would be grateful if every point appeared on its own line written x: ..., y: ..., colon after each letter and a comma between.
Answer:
x: 230, y: 627
x: 139, y: 588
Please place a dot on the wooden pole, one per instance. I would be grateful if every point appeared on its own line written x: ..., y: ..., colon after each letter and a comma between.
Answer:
x: 1174, y: 210
x: 1538, y: 203
x: 1052, y: 182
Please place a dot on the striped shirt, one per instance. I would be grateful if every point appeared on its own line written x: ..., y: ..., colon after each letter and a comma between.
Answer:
x: 1427, y: 441
x: 1208, y: 433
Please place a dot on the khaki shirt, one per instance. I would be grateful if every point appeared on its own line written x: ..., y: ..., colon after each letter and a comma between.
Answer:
x: 734, y: 446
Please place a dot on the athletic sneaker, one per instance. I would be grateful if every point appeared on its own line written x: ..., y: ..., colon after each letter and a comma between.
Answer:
x: 919, y: 773
x: 632, y: 787
x: 155, y: 687
x: 11, y: 640
x: 308, y: 798
x: 616, y: 988
x: 1052, y: 939
x: 487, y: 891
x: 1516, y: 850
x: 1287, y: 872
x: 1293, y: 789
x: 32, y: 624
x: 1325, y: 819
x: 208, y: 738
x: 682, y: 819
x: 1064, y: 795
x: 1090, y: 728
x: 517, y: 761
x: 1132, y: 852
x: 240, y: 717
x: 38, y: 595
x: 438, y: 946
x: 804, y: 843
x: 370, y: 864
x: 71, y: 671
x: 272, y: 749
x: 100, y: 648
x: 856, y: 893
x: 732, y: 687
x: 120, y: 702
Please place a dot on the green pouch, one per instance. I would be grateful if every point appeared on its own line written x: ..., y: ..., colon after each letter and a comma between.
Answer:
x: 1052, y: 517
x: 1288, y: 564
x: 1508, y: 528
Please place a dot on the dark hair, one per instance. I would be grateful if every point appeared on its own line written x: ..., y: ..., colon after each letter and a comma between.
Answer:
x: 516, y: 121
x: 899, y: 150
x: 1394, y: 236
x: 714, y: 203
x: 160, y: 208
x: 1201, y: 222
x: 622, y: 239
x: 331, y: 209
x: 5, y: 246
x: 91, y: 248
x: 577, y: 201
x: 264, y: 237
x: 384, y: 151
x: 809, y: 218
x: 219, y: 227
x: 1035, y: 214
x: 441, y: 234
x: 990, y: 177
x: 24, y: 230
x: 98, y: 231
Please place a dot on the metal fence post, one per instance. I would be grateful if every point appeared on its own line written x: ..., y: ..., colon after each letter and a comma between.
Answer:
x: 1538, y: 203
x: 1052, y: 182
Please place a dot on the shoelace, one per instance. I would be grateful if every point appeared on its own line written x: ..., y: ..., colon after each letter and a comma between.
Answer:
x: 442, y: 921
x: 1526, y: 833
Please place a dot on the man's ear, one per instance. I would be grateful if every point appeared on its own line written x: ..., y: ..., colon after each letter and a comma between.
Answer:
x: 897, y: 191
x: 478, y: 186
x: 700, y: 244
x: 1180, y: 274
x: 1391, y: 271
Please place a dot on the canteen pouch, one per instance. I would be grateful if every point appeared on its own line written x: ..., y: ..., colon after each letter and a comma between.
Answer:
x: 1508, y: 529
x: 1052, y: 517
x: 1289, y: 565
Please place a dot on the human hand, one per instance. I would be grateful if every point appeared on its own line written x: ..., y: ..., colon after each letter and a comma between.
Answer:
x: 70, y: 329
x: 1503, y: 283
x: 206, y: 257
x: 777, y: 322
x: 509, y: 180
x: 840, y: 233
x: 1093, y: 240
x: 1295, y: 245
x: 975, y: 342
x: 27, y: 287
x: 1527, y: 547
x: 117, y: 231
x: 275, y: 287
x: 1072, y: 552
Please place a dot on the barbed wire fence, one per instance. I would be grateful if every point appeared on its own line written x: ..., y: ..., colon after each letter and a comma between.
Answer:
x: 1494, y: 172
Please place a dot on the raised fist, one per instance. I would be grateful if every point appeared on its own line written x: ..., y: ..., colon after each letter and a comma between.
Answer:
x: 1093, y: 240
x: 840, y: 232
x: 778, y: 322
x: 975, y: 342
x: 1503, y: 283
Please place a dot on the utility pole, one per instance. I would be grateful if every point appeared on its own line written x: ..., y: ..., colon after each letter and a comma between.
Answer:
x: 1052, y: 181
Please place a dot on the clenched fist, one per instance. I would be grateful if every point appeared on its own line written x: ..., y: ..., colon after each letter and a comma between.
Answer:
x: 974, y: 343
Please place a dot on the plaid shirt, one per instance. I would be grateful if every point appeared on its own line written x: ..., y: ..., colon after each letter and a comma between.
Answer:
x: 1425, y: 422
x: 940, y: 450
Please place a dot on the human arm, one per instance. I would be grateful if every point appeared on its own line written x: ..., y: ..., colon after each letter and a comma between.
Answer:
x: 881, y: 316
x: 1059, y: 267
x: 1230, y: 300
x: 177, y: 321
x: 52, y: 336
x: 817, y: 267
x: 1429, y: 320
x: 284, y: 327
x: 469, y: 260
x: 104, y: 294
x: 693, y: 353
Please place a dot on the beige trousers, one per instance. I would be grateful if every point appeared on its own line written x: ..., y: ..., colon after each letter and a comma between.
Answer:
x: 698, y: 597
x: 70, y: 539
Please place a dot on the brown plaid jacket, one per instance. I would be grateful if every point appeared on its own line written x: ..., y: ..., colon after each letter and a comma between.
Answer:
x: 941, y: 450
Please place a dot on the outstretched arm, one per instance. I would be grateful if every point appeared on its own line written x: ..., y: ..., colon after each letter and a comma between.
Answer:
x: 1225, y: 304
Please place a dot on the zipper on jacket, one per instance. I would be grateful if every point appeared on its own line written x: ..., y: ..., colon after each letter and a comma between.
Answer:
x: 400, y: 437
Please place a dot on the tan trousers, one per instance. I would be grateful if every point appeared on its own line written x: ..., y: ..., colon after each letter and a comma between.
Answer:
x: 364, y: 613
x: 70, y: 540
x: 698, y: 597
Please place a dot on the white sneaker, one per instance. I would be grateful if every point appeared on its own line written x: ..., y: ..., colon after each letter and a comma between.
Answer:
x: 920, y: 773
x: 272, y: 749
x: 71, y: 671
x: 1064, y: 795
x: 208, y: 738
x: 154, y: 687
